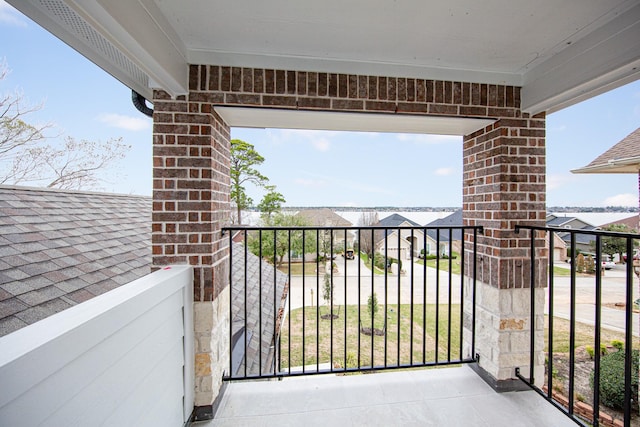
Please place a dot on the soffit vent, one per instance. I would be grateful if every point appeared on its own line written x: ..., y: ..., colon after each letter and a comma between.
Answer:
x: 75, y: 24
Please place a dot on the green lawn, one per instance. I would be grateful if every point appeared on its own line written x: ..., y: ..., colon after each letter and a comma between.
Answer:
x: 584, y: 335
x: 444, y: 264
x: 296, y: 268
x: 359, y: 345
x: 315, y: 349
x: 367, y: 262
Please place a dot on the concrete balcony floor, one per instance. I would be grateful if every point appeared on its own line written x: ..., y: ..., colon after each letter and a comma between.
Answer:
x: 452, y: 396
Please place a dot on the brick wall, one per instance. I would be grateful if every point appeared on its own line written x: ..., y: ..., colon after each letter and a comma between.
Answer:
x: 191, y: 190
x: 346, y: 92
x: 503, y: 186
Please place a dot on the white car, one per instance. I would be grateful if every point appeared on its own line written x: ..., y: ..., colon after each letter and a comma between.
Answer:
x: 608, y: 265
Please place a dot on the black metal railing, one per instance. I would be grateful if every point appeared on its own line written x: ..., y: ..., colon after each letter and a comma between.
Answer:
x: 577, y: 332
x: 309, y: 300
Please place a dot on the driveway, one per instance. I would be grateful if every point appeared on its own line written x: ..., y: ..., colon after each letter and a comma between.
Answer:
x: 346, y: 286
x: 613, y: 291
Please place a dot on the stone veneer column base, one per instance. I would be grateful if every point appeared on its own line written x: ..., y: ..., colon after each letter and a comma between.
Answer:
x: 503, y: 327
x: 212, y: 347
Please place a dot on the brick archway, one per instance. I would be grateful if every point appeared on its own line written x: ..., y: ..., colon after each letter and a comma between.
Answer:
x: 503, y: 184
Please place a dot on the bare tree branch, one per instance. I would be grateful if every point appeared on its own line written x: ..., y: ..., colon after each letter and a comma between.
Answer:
x: 24, y: 158
x: 15, y: 132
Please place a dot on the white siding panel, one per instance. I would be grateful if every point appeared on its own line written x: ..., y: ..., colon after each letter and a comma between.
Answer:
x: 107, y: 361
x: 164, y: 383
x: 123, y: 377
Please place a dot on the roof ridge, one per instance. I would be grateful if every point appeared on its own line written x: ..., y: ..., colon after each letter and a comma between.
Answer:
x: 76, y: 192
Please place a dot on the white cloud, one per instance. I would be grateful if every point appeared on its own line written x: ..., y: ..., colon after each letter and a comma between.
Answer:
x: 319, y: 139
x: 626, y: 199
x: 10, y: 16
x: 321, y: 144
x: 443, y: 171
x: 556, y: 181
x: 125, y: 122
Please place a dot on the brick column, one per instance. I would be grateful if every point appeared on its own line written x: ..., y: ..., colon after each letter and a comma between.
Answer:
x: 190, y: 205
x: 504, y: 186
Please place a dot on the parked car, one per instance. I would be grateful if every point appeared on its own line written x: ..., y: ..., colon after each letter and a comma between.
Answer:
x: 608, y: 265
x: 636, y: 257
x: 348, y: 254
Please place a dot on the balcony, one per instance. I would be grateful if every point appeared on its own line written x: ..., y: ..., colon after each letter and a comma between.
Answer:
x: 305, y: 330
x: 318, y: 320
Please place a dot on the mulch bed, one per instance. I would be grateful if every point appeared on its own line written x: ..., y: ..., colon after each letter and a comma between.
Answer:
x: 582, y: 389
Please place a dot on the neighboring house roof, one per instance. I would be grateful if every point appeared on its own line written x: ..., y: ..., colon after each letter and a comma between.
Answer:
x: 392, y: 221
x: 631, y: 222
x: 624, y: 157
x: 396, y: 220
x: 568, y: 222
x: 573, y: 223
x: 323, y: 217
x: 452, y: 220
x: 255, y: 298
x: 60, y: 248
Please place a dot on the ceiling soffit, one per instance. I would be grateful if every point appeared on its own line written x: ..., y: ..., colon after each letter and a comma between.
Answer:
x: 559, y: 52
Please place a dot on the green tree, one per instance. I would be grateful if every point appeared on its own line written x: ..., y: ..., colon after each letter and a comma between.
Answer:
x: 326, y: 290
x: 615, y: 245
x: 285, y: 239
x: 271, y: 202
x: 244, y: 159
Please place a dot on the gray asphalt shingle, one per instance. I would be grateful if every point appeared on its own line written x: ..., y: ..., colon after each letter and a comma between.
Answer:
x: 57, y: 249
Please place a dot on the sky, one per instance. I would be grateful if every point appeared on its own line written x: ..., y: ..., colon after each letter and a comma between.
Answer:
x: 311, y: 168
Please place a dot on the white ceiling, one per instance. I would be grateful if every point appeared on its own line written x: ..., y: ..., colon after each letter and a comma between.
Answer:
x: 560, y: 52
x: 358, y: 122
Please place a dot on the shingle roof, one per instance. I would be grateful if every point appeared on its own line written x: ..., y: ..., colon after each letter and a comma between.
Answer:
x: 395, y: 220
x: 631, y: 222
x: 558, y: 221
x: 60, y: 248
x: 624, y: 157
x: 260, y: 307
x: 324, y: 217
x: 453, y: 220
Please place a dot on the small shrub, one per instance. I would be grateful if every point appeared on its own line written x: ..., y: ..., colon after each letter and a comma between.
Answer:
x: 372, y: 305
x: 617, y: 344
x: 326, y: 289
x: 590, y: 351
x: 612, y: 378
x: 580, y: 263
x: 589, y: 265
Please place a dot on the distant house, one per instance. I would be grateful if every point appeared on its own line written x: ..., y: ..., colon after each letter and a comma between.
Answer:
x: 631, y: 222
x: 402, y: 246
x: 584, y: 242
x: 324, y: 217
x: 443, y: 238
